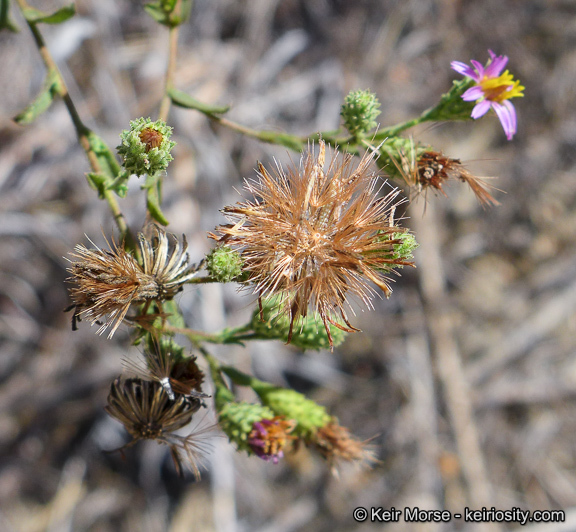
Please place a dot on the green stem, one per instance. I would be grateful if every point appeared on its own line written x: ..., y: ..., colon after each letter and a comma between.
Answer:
x: 171, y: 68
x: 82, y: 131
x: 202, y: 280
x: 227, y: 336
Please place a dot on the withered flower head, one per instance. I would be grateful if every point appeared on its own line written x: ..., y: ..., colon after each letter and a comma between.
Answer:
x: 108, y: 282
x: 176, y: 374
x: 269, y: 437
x: 167, y: 264
x: 147, y: 413
x: 315, y: 236
x: 336, y: 444
x: 431, y: 169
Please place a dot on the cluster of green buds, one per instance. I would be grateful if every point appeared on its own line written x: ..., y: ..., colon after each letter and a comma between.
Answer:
x: 282, y: 419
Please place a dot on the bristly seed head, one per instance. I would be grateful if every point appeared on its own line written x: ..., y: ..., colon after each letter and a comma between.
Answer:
x: 432, y: 169
x: 108, y: 282
x: 316, y: 236
x: 145, y: 410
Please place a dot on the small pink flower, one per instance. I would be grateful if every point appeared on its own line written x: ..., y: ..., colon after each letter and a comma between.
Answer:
x: 493, y: 89
x: 269, y: 437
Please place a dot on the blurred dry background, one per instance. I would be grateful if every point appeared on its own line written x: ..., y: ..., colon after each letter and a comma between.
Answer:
x: 466, y: 375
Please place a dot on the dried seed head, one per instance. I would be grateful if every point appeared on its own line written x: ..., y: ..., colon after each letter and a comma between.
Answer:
x: 167, y: 262
x: 147, y: 413
x: 314, y: 237
x: 336, y: 444
x: 108, y: 282
x: 432, y: 169
x: 178, y: 375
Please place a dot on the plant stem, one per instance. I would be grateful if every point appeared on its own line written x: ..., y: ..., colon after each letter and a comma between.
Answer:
x: 171, y: 68
x: 82, y: 131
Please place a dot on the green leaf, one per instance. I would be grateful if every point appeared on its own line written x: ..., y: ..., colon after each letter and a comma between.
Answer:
x: 157, y: 13
x: 98, y: 182
x: 174, y: 316
x: 282, y: 139
x: 106, y: 158
x: 152, y: 187
x: 6, y: 23
x: 35, y: 16
x: 162, y: 12
x: 185, y: 8
x: 181, y: 99
x: 42, y: 102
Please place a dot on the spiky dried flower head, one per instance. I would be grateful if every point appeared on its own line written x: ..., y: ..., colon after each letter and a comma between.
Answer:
x: 108, y: 282
x: 337, y: 445
x: 425, y: 169
x: 147, y: 413
x: 315, y: 237
x: 163, y: 362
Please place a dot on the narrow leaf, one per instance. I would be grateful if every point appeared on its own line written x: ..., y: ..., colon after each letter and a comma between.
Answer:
x: 36, y: 16
x: 108, y: 163
x: 6, y: 22
x: 42, y: 102
x: 157, y: 13
x: 182, y: 99
x: 282, y: 139
x: 152, y: 186
x: 153, y: 206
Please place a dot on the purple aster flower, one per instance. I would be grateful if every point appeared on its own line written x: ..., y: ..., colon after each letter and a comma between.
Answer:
x: 493, y: 89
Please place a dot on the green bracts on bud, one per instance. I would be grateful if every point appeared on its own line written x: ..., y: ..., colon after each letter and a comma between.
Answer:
x: 404, y: 250
x: 146, y: 147
x: 452, y: 106
x: 308, y: 333
x: 224, y: 264
x: 359, y: 112
x: 308, y: 415
x: 237, y: 421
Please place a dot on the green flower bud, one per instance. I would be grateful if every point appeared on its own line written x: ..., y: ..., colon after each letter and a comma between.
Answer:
x: 308, y: 415
x: 404, y: 250
x: 237, y: 421
x: 308, y: 333
x: 146, y: 147
x: 359, y: 112
x: 452, y: 106
x: 224, y: 264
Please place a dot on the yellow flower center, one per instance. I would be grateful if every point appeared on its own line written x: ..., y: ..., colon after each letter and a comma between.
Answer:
x: 501, y: 88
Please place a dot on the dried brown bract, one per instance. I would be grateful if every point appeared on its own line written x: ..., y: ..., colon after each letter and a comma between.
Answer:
x: 108, y: 282
x: 432, y: 169
x: 147, y: 413
x: 336, y: 444
x: 314, y: 237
